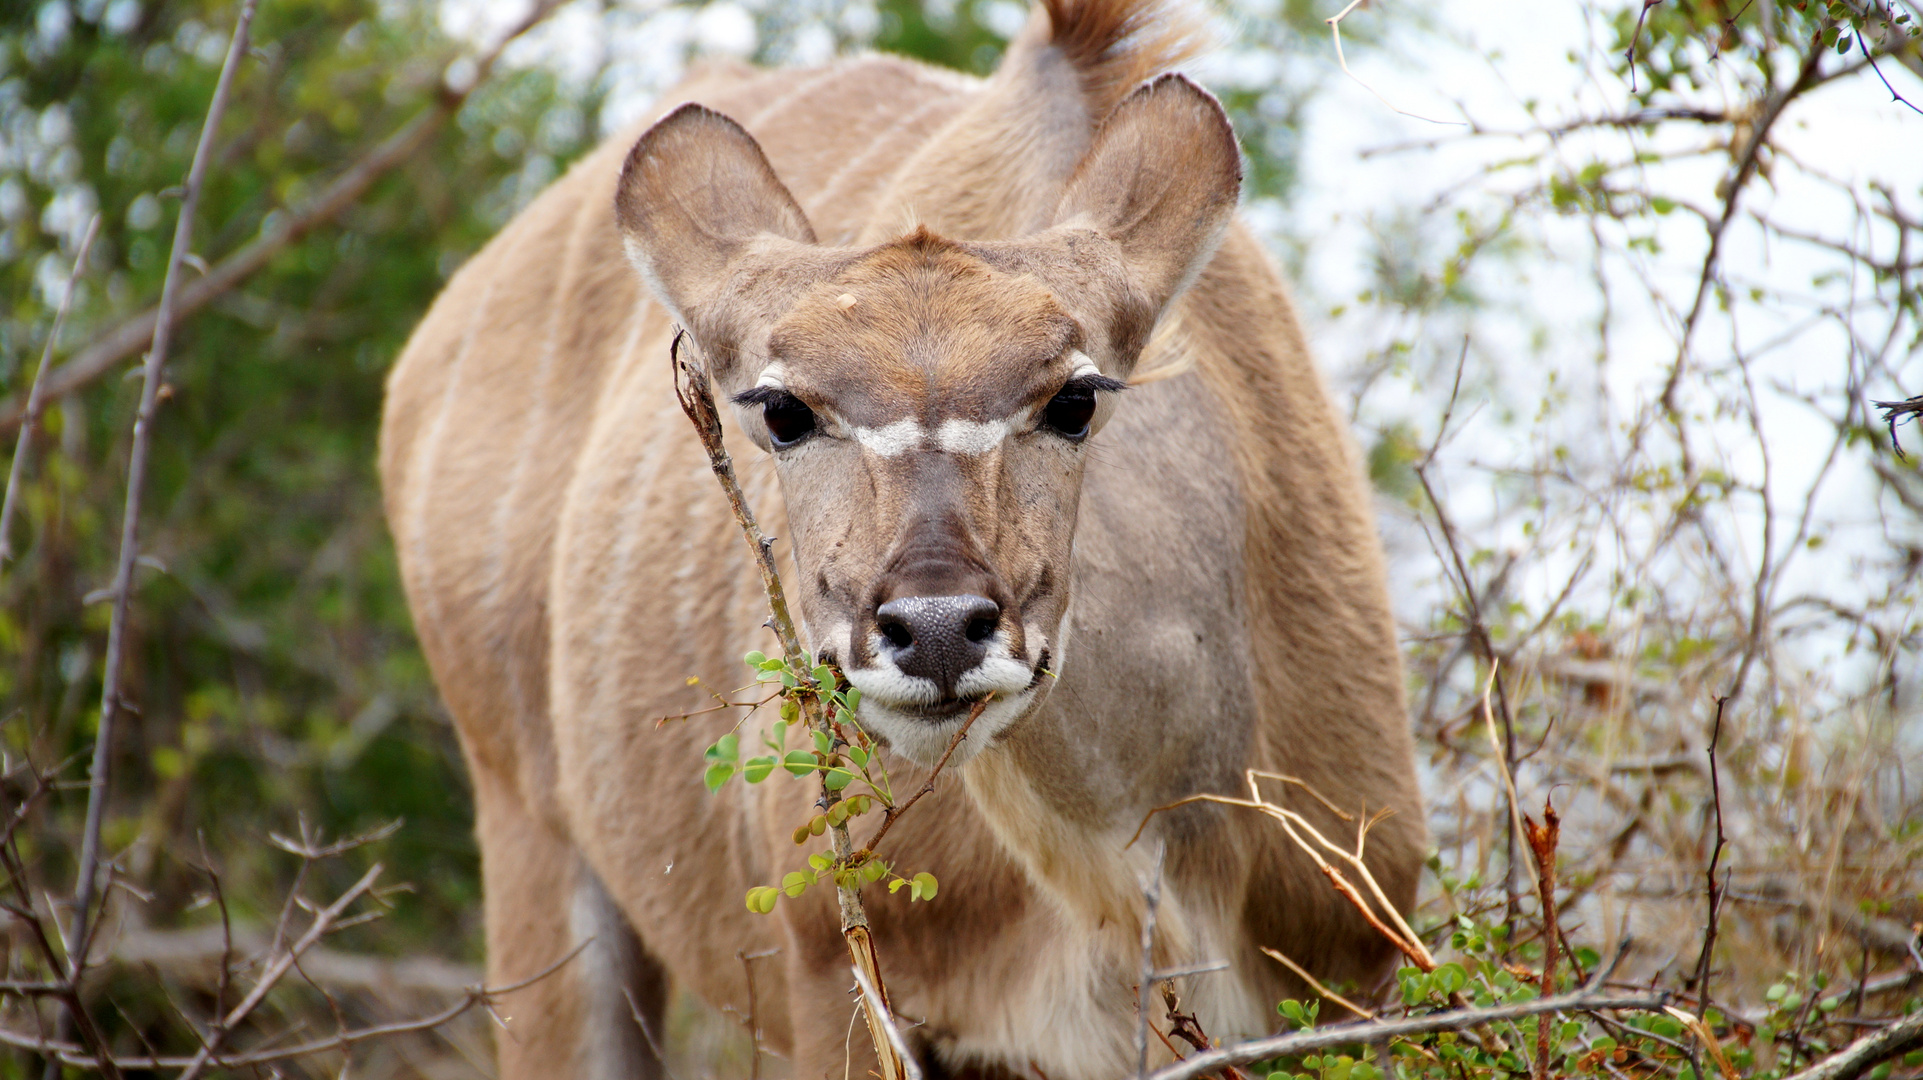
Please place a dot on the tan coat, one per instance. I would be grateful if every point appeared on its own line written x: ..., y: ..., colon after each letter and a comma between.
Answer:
x: 1202, y: 572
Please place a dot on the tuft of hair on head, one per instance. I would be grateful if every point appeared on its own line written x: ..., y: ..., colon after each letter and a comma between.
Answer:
x: 1116, y: 45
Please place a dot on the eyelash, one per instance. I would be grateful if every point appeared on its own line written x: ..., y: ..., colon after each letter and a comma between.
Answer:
x: 1071, y: 410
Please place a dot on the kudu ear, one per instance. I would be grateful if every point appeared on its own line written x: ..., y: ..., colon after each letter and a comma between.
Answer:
x: 699, y: 205
x: 1160, y: 180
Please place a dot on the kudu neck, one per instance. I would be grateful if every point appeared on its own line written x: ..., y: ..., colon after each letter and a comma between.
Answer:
x: 997, y: 170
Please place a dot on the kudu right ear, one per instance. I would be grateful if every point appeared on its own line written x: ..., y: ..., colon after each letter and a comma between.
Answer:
x: 699, y: 206
x: 1161, y: 181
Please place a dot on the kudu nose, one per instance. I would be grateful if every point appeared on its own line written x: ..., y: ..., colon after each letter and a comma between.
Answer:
x: 938, y: 637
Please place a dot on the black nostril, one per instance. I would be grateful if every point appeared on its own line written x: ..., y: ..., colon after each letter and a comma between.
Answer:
x: 939, y: 638
x: 897, y: 633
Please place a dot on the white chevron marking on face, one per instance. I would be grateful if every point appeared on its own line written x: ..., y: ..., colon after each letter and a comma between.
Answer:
x: 972, y: 436
x: 893, y: 439
x: 955, y: 436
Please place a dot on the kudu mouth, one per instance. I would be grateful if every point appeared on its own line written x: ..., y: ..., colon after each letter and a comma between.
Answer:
x: 924, y: 660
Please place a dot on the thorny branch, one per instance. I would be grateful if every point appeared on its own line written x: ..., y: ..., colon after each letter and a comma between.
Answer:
x: 150, y: 398
x: 695, y: 392
x: 1712, y: 891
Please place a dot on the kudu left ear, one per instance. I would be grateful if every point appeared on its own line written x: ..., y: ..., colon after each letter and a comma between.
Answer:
x: 1160, y: 180
x: 1138, y: 220
x: 712, y: 230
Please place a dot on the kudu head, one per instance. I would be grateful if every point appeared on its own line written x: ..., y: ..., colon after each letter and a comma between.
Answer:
x: 930, y: 402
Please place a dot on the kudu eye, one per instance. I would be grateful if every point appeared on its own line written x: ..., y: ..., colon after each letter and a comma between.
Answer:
x: 1070, y: 411
x: 788, y: 420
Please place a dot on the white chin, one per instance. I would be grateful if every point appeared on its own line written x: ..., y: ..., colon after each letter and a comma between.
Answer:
x: 922, y: 739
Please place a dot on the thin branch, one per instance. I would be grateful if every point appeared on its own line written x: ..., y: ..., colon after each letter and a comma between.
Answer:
x: 30, y: 421
x: 1865, y: 1052
x: 70, y: 1054
x: 1303, y: 1042
x: 132, y: 334
x: 1542, y: 845
x: 1316, y: 984
x: 1714, y: 894
x: 892, y: 813
x: 695, y: 391
x: 878, y: 1006
x: 323, y: 922
x: 150, y: 397
x: 1335, y: 31
x: 1746, y: 161
x: 1152, y: 903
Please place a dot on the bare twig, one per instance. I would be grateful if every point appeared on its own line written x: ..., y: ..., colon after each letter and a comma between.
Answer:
x: 1303, y: 1042
x: 1542, y: 845
x: 1711, y: 890
x: 1316, y: 984
x: 30, y: 419
x: 78, y: 1056
x: 1746, y: 159
x: 754, y: 1019
x: 1485, y: 646
x: 1151, y: 906
x: 1865, y: 1052
x: 276, y: 968
x: 1634, y: 37
x: 1896, y: 413
x: 892, y: 813
x: 877, y: 1006
x: 1335, y: 31
x: 150, y: 397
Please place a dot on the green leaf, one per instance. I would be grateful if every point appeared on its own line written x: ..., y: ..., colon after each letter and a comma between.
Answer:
x: 821, y: 860
x: 796, y: 882
x: 761, y: 899
x: 1450, y: 978
x: 717, y: 775
x: 853, y: 697
x: 756, y: 769
x: 823, y: 743
x: 755, y: 658
x: 859, y: 756
x: 726, y: 748
x: 799, y: 762
x: 778, y: 735
x: 873, y: 870
x: 824, y: 676
x: 835, y: 779
x: 895, y: 885
x: 925, y: 884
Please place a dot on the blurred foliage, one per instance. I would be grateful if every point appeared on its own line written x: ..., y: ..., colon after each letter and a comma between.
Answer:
x: 272, y: 664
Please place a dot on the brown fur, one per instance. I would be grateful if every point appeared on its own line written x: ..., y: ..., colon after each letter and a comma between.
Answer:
x: 570, y: 562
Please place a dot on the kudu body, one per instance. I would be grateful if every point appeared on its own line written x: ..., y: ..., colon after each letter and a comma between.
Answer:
x: 923, y: 291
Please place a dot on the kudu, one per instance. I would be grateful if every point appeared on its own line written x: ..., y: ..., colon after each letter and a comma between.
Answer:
x: 925, y: 295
